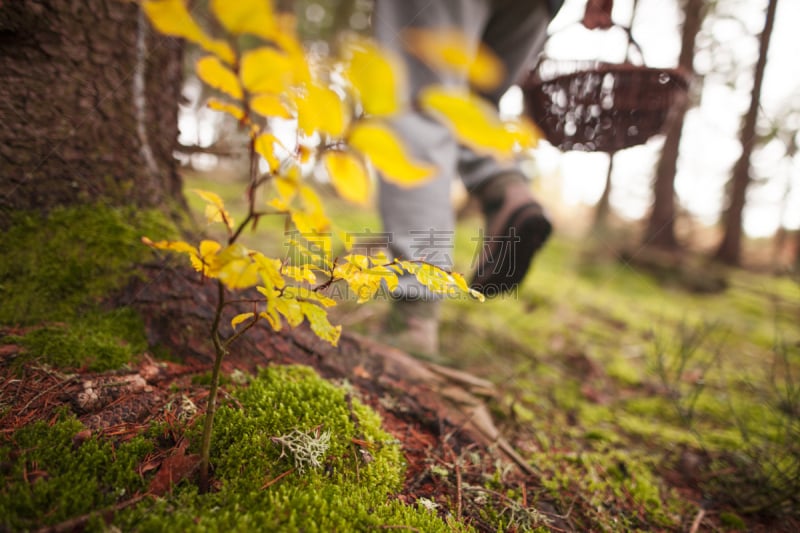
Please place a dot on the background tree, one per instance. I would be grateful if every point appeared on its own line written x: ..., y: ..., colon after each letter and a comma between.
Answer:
x: 660, y: 230
x: 729, y: 250
x: 88, y: 106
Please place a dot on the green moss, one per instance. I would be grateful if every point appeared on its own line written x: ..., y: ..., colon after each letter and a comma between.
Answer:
x: 621, y: 488
x: 346, y: 494
x: 732, y: 521
x: 70, y: 259
x: 58, y: 269
x: 99, y: 341
x: 49, y: 477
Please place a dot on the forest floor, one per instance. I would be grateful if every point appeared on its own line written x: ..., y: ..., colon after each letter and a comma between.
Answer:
x: 640, y: 396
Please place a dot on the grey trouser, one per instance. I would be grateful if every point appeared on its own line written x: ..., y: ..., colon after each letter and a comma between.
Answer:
x: 420, y: 220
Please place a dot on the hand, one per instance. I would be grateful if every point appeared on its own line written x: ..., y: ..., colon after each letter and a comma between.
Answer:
x: 598, y: 14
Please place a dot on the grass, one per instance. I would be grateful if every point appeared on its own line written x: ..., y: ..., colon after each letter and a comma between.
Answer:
x: 598, y: 359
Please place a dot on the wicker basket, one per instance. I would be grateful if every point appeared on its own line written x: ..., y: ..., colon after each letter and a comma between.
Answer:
x: 601, y: 107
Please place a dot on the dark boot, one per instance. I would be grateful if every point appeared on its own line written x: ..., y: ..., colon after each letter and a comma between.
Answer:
x: 516, y: 228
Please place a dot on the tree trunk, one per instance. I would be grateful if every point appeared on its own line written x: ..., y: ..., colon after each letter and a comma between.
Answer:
x: 660, y: 230
x: 729, y: 250
x: 88, y: 106
x: 603, y: 207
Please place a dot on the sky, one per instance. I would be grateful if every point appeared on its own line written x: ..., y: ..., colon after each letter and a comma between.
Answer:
x: 709, y: 146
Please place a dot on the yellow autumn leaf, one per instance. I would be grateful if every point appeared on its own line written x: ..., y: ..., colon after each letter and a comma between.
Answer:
x: 215, y: 210
x: 239, y: 274
x: 318, y: 320
x: 171, y: 17
x: 348, y: 175
x: 304, y: 293
x: 473, y: 120
x: 238, y: 319
x: 246, y: 16
x: 319, y: 109
x: 175, y: 246
x: 265, y: 146
x: 312, y: 219
x: 303, y: 273
x: 231, y: 109
x: 376, y: 141
x: 266, y: 70
x: 461, y: 283
x: 270, y: 271
x: 269, y: 105
x: 205, y: 261
x: 290, y: 309
x: 450, y: 50
x: 211, y: 70
x: 376, y: 75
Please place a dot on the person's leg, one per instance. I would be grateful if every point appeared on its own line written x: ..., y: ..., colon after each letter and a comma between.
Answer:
x: 420, y: 219
x: 516, y: 225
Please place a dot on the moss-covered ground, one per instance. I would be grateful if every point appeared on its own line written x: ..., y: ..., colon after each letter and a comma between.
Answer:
x: 641, y: 396
x: 640, y: 405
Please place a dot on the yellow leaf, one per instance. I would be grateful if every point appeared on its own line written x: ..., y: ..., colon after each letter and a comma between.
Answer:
x: 319, y: 109
x: 303, y: 273
x: 239, y: 274
x: 450, y: 50
x: 320, y: 325
x: 215, y: 210
x: 231, y: 109
x: 377, y: 142
x: 211, y: 70
x: 266, y: 70
x: 473, y: 121
x: 269, y: 105
x: 171, y: 17
x: 271, y: 316
x: 303, y: 293
x: 312, y: 219
x: 348, y: 175
x: 238, y: 319
x: 205, y: 261
x: 375, y: 74
x: 246, y: 16
x: 265, y: 146
x: 175, y: 246
x: 279, y: 204
x: 270, y: 271
x: 291, y: 309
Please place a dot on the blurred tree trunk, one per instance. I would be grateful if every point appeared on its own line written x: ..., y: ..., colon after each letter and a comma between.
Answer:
x: 603, y: 207
x: 660, y: 230
x: 88, y: 106
x: 729, y: 250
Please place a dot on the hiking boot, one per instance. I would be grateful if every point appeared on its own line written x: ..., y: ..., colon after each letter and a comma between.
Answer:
x: 516, y: 228
x: 413, y: 326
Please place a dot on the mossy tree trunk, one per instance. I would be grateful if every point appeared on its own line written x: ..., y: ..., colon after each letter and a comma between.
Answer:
x: 88, y: 106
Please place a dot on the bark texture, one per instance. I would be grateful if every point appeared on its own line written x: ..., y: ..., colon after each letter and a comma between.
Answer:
x: 88, y: 105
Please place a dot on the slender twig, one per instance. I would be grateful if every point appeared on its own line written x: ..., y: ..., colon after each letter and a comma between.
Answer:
x: 276, y: 479
x: 220, y: 350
